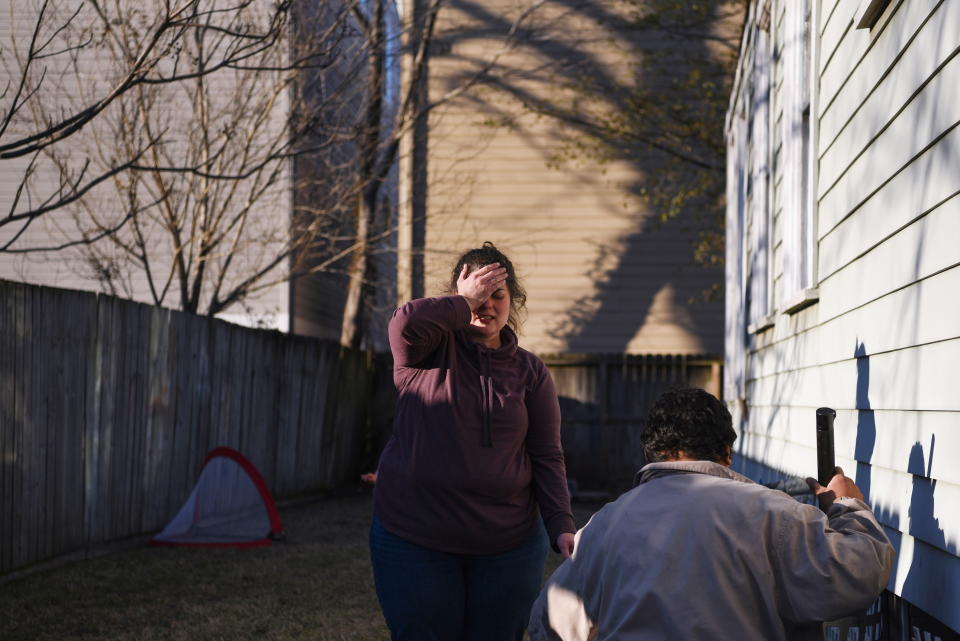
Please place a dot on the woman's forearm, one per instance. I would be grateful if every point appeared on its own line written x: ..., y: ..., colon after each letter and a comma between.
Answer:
x: 417, y: 328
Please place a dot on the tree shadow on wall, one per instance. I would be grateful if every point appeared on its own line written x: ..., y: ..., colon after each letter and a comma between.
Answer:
x: 923, y: 578
x: 866, y: 424
x: 648, y: 287
x: 585, y: 68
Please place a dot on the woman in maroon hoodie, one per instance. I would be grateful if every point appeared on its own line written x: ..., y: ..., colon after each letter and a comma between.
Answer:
x: 471, y: 488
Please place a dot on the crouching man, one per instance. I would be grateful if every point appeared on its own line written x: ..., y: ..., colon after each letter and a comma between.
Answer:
x: 696, y: 551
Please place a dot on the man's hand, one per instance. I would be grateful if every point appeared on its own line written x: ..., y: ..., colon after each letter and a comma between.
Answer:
x: 839, y: 487
x: 476, y: 286
x: 565, y: 544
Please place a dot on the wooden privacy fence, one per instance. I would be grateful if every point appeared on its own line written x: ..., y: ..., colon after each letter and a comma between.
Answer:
x: 604, y: 400
x: 108, y: 408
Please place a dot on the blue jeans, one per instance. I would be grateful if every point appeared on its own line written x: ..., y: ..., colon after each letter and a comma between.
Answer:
x: 428, y: 595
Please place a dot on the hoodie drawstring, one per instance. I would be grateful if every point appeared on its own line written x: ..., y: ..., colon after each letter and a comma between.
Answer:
x: 486, y: 400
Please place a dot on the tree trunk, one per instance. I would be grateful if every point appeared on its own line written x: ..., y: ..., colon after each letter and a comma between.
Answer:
x: 360, y: 289
x: 351, y: 329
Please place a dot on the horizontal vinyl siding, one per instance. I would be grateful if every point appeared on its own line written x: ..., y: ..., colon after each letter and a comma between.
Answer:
x: 882, y: 344
x: 891, y: 490
x: 865, y: 56
x: 879, y: 92
x: 65, y: 268
x: 896, y: 433
x: 901, y: 319
x: 914, y: 133
x: 834, y: 26
x: 916, y: 252
x: 907, y: 379
x: 70, y: 268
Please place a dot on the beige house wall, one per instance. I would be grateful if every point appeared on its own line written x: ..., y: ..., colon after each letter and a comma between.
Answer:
x: 603, y: 275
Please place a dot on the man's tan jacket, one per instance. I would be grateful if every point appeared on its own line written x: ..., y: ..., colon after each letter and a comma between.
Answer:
x: 699, y: 552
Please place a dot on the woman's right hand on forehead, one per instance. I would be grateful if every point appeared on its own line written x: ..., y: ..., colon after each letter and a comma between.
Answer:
x: 477, y: 285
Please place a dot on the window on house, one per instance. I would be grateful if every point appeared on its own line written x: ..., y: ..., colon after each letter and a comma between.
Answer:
x: 759, y: 210
x: 736, y: 326
x: 798, y: 283
x: 749, y: 302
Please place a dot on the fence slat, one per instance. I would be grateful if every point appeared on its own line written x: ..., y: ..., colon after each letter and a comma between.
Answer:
x: 11, y: 388
x: 189, y: 365
x: 290, y: 388
x: 107, y: 455
x: 7, y: 372
x: 21, y: 381
x: 159, y: 423
x: 79, y: 323
x: 311, y: 457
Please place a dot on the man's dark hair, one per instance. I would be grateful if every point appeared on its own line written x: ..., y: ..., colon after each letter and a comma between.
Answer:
x: 691, y: 421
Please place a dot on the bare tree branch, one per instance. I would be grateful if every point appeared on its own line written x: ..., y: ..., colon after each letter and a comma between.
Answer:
x: 179, y: 160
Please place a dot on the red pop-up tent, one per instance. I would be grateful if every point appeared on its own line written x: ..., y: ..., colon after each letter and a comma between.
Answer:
x: 229, y: 506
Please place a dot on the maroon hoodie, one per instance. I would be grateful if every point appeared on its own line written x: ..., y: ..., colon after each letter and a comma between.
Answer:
x: 476, y: 437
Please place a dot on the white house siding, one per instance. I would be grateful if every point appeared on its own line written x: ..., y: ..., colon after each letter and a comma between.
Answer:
x: 881, y: 344
x: 315, y: 301
x: 601, y: 275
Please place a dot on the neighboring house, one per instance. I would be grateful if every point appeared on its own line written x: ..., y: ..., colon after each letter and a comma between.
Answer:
x: 302, y: 190
x: 843, y: 267
x: 603, y: 275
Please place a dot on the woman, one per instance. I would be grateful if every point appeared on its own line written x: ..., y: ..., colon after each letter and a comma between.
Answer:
x: 457, y: 544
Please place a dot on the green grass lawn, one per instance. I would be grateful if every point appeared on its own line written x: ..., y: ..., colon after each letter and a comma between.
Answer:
x: 316, y: 585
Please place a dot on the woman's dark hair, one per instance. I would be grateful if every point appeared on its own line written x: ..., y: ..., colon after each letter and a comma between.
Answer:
x: 485, y: 255
x: 691, y: 421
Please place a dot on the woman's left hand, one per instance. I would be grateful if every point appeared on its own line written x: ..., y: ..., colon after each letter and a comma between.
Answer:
x: 565, y: 544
